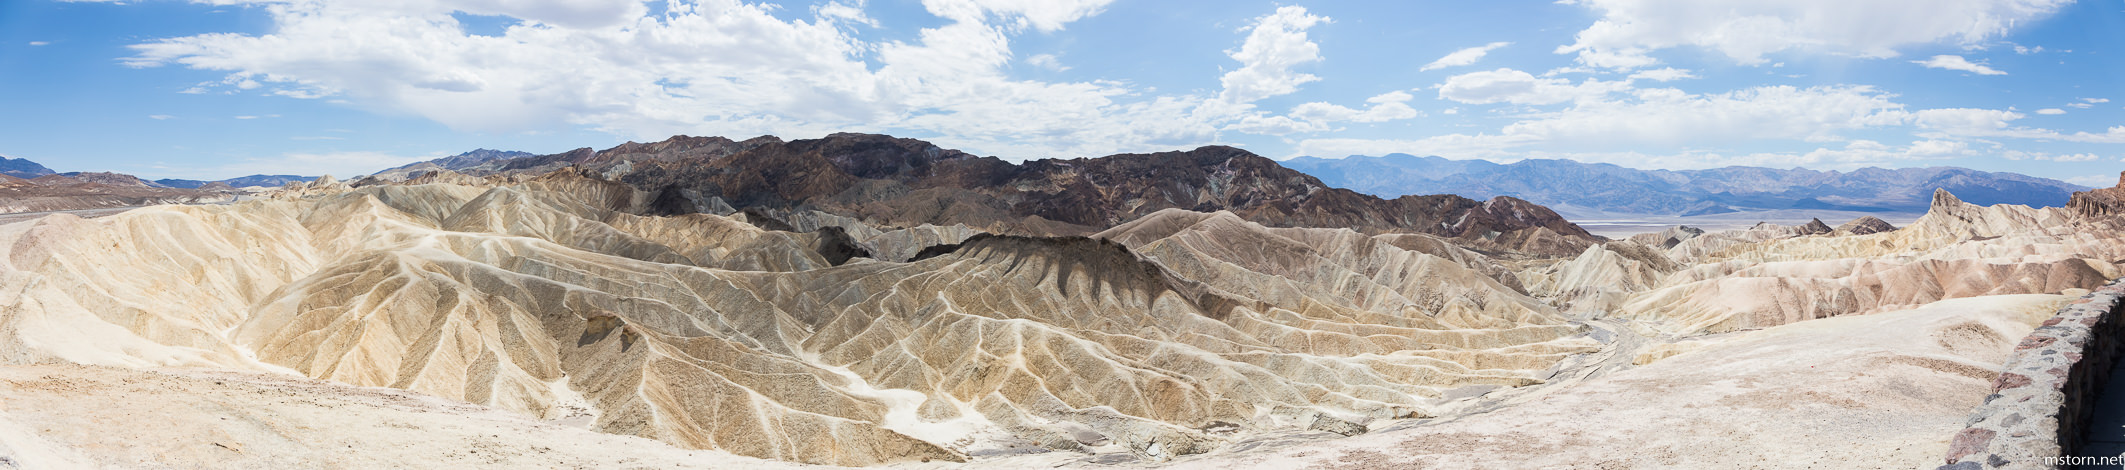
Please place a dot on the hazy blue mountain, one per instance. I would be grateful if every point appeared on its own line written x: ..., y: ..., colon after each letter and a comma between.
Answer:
x: 1607, y: 187
x: 22, y: 168
x: 239, y: 182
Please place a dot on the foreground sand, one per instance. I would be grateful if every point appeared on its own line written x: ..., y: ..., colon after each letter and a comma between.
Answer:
x: 71, y: 416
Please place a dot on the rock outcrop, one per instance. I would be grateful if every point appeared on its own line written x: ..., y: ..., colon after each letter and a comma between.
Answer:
x: 1864, y: 225
x: 2100, y: 201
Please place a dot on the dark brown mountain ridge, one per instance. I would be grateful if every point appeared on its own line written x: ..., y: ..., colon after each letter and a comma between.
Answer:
x: 907, y: 182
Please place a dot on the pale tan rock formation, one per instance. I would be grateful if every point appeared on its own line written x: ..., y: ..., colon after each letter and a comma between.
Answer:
x: 814, y: 337
x: 1857, y: 392
x: 1769, y: 275
x: 550, y: 297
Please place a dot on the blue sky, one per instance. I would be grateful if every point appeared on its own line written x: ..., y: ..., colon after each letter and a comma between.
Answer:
x: 223, y: 88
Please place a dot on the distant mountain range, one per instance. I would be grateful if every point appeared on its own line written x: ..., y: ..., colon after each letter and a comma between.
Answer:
x: 1568, y: 185
x: 22, y: 168
x: 239, y: 182
x: 26, y: 169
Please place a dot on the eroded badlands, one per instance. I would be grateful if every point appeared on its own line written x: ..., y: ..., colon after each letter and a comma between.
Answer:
x: 553, y: 312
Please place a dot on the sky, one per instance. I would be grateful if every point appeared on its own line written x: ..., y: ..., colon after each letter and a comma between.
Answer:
x: 210, y: 89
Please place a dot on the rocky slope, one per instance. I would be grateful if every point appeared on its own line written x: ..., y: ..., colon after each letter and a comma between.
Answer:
x: 1611, y: 188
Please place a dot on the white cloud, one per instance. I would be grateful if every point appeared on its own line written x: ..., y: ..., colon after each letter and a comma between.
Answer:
x: 1276, y: 125
x: 1449, y: 145
x: 1046, y: 61
x: 1043, y: 15
x: 1956, y: 62
x: 1667, y: 116
x: 1670, y: 118
x: 2019, y: 49
x: 1276, y: 43
x: 2096, y: 100
x: 1966, y: 121
x: 2086, y: 103
x: 1668, y: 74
x: 39, y: 43
x: 2051, y: 111
x: 160, y: 117
x: 726, y: 67
x: 1463, y: 57
x: 1748, y: 30
x: 703, y: 67
x: 1517, y: 87
x: 2042, y: 156
x: 247, y: 117
x: 2096, y: 181
x: 1976, y: 123
x: 1385, y: 107
x: 1321, y: 116
x: 1938, y: 148
x: 852, y: 13
x: 1854, y: 154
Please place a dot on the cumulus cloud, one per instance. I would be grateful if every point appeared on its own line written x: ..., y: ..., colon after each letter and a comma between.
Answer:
x: 1671, y: 117
x: 39, y: 43
x: 1983, y: 123
x: 1462, y: 57
x: 851, y: 13
x: 1385, y: 107
x: 1668, y: 74
x: 160, y: 117
x: 2051, y: 111
x: 728, y: 67
x: 1046, y: 61
x: 1852, y: 155
x: 1265, y: 124
x: 1321, y: 116
x: 1517, y: 87
x: 2043, y: 156
x: 1956, y: 62
x: 1633, y: 120
x: 1275, y: 45
x: 1748, y: 30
